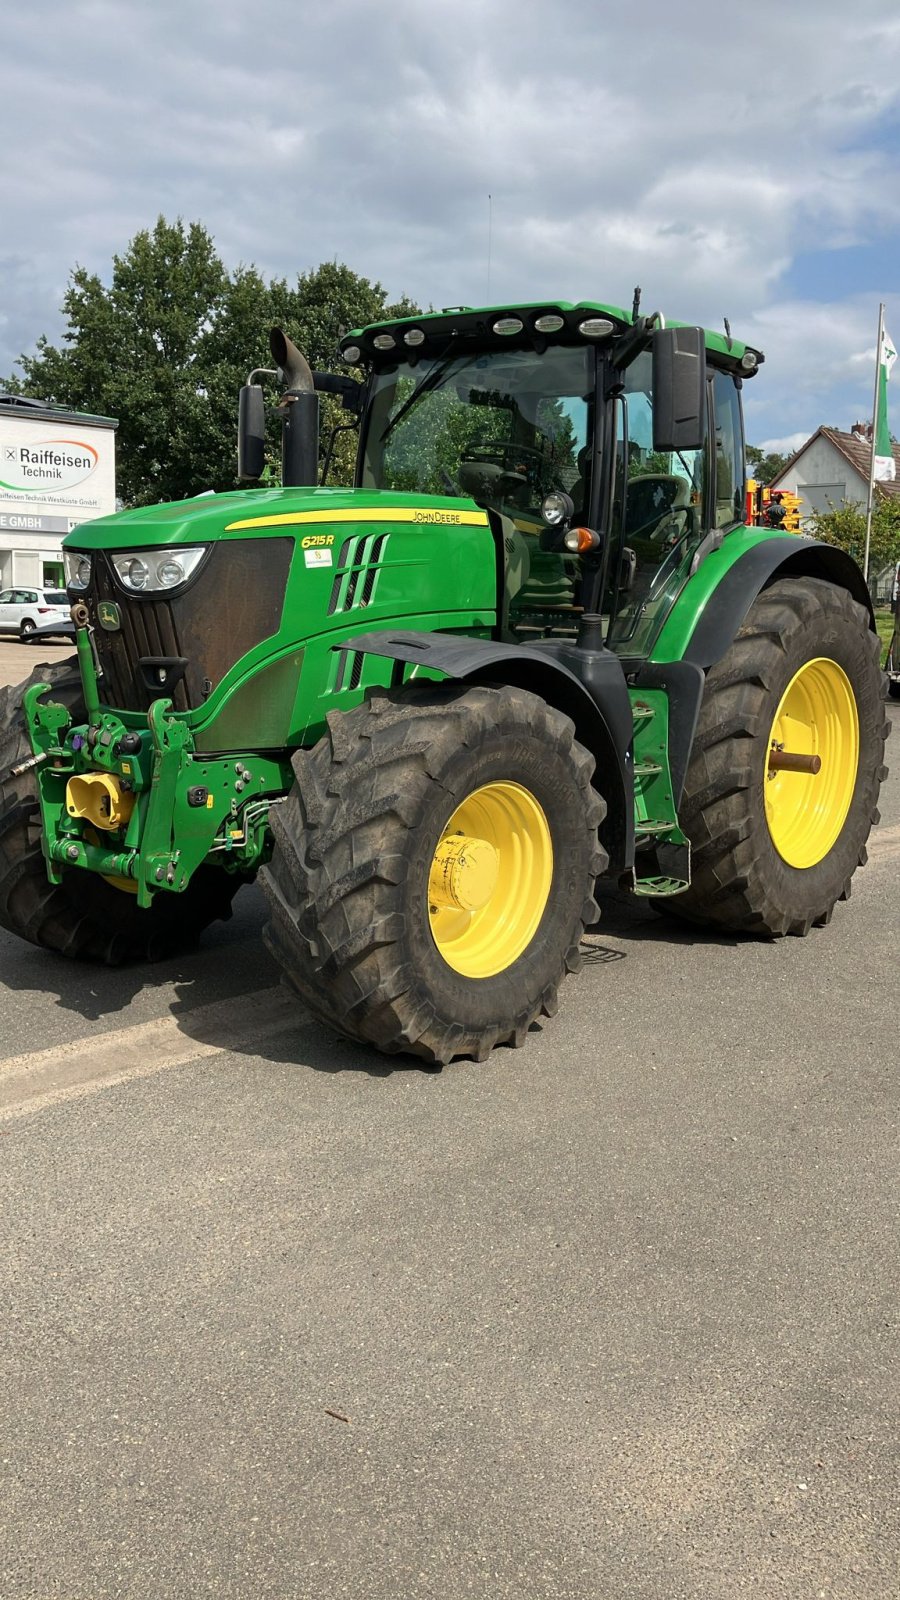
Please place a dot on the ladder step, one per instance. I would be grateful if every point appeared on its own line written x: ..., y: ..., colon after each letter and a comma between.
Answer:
x: 647, y: 769
x: 642, y: 828
x: 660, y: 886
x: 641, y: 710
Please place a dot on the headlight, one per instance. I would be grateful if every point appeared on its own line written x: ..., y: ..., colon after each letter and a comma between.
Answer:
x: 78, y: 569
x: 556, y: 508
x: 148, y: 571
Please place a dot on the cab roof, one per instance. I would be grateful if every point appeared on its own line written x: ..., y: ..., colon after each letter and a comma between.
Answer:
x: 477, y: 325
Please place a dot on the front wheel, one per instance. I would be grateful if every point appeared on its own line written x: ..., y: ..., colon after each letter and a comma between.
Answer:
x: 27, y: 631
x: 783, y: 782
x: 433, y: 868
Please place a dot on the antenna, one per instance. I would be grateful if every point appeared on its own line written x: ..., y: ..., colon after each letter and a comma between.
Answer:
x: 490, y: 229
x: 728, y: 339
x: 636, y: 303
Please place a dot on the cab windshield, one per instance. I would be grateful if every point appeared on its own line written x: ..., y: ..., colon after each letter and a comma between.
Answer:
x: 500, y: 427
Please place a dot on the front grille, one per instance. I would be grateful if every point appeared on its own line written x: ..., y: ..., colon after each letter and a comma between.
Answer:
x: 234, y: 603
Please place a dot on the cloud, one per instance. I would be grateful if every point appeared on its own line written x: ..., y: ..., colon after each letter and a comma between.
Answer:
x: 675, y: 152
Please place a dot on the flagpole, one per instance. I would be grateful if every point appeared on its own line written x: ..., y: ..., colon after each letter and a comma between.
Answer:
x: 871, y: 494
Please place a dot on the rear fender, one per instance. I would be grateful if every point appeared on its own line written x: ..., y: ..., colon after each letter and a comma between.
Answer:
x: 727, y: 606
x: 602, y: 715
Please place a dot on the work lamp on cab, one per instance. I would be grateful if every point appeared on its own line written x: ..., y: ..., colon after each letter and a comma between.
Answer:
x: 384, y: 341
x: 508, y: 325
x: 595, y: 327
x: 351, y: 354
x: 414, y: 336
x: 749, y: 361
x: 550, y: 323
x: 556, y: 508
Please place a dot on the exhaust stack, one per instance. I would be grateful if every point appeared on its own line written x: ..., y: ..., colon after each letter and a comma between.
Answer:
x: 300, y: 414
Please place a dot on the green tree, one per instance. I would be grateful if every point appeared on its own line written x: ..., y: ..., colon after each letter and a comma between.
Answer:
x: 764, y: 467
x: 845, y: 526
x: 165, y: 346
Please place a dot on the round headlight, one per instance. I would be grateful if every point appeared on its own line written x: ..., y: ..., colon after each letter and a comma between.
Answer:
x: 414, y: 336
x: 169, y: 573
x: 749, y: 360
x: 551, y: 323
x: 135, y: 573
x: 508, y: 325
x: 595, y: 327
x: 351, y: 354
x: 81, y: 576
x: 556, y: 508
x: 384, y: 341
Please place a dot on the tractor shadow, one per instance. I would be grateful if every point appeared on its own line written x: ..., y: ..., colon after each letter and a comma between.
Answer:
x: 232, y: 960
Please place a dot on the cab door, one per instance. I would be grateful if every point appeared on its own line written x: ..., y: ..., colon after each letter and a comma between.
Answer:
x: 670, y: 508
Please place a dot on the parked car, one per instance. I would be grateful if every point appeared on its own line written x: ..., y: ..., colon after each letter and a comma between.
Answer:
x: 35, y: 613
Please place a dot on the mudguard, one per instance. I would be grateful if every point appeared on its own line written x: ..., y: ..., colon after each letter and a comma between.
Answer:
x: 601, y: 711
x: 731, y: 600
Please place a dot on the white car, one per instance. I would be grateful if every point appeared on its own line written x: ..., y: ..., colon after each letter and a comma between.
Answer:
x: 30, y: 613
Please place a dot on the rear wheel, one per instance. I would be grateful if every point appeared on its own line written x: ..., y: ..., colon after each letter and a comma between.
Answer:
x: 27, y: 630
x: 434, y: 868
x: 83, y: 917
x: 783, y: 782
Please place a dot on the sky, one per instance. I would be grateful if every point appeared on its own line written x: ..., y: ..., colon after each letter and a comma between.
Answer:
x: 736, y: 160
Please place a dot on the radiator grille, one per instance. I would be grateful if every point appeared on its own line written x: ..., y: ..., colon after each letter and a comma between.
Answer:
x: 234, y: 603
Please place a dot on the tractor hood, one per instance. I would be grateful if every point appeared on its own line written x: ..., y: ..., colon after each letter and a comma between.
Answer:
x: 251, y: 513
x: 214, y: 601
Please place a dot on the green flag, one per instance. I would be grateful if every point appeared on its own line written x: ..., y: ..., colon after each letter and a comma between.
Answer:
x: 885, y: 468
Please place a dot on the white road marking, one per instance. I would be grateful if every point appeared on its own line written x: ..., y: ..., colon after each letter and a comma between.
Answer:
x: 66, y: 1071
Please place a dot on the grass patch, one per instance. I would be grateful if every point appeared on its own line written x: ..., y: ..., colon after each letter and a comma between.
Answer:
x: 884, y: 622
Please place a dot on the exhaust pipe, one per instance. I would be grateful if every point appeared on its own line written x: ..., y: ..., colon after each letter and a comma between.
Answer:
x: 300, y: 414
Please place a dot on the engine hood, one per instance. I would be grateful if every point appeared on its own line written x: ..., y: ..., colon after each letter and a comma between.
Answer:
x: 251, y: 513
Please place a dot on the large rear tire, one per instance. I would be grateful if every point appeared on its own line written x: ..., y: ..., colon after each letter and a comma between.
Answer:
x: 84, y: 917
x: 773, y: 851
x: 433, y: 869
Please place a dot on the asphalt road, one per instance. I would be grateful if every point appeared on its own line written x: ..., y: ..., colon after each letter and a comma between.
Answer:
x: 615, y: 1315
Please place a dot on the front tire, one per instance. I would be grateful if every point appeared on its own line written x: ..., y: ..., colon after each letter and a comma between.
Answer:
x: 27, y: 631
x: 773, y: 851
x: 84, y: 917
x: 434, y: 869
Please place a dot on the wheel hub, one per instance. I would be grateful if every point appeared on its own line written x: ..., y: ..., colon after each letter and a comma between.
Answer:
x: 463, y: 874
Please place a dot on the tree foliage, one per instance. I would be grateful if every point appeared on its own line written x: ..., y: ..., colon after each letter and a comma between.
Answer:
x: 845, y: 526
x: 762, y: 466
x: 166, y: 345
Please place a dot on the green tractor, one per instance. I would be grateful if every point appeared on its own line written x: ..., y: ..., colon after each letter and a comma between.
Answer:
x: 534, y: 649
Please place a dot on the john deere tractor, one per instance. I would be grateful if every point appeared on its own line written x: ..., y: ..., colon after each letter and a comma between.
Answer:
x: 534, y: 648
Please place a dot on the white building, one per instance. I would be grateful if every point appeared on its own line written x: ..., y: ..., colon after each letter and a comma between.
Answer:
x: 832, y: 469
x: 57, y: 469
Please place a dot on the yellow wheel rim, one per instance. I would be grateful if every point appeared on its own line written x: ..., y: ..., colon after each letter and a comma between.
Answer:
x: 490, y: 880
x: 817, y: 717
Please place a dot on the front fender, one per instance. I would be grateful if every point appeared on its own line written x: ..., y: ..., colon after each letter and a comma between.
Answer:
x: 601, y: 713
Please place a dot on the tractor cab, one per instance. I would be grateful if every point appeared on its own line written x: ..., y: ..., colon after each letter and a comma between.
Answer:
x: 606, y: 449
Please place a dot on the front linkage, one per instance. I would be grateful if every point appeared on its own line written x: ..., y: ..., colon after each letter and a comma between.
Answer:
x: 162, y: 809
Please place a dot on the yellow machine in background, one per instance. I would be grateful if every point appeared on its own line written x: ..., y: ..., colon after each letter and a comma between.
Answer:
x: 761, y: 501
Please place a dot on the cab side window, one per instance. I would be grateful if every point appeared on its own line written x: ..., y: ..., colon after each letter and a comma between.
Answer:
x: 728, y: 504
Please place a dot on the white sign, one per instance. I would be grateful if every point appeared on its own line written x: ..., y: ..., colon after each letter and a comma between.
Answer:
x: 59, y: 470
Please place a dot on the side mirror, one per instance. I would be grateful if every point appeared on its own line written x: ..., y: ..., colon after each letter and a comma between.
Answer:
x: 251, y: 433
x: 679, y: 389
